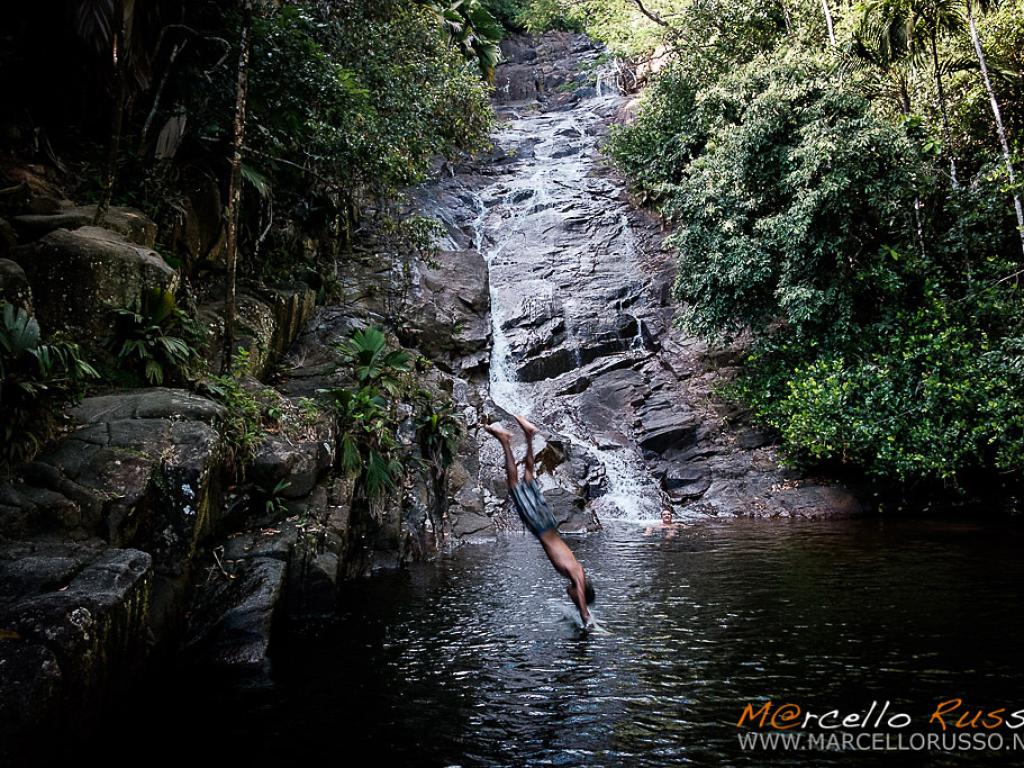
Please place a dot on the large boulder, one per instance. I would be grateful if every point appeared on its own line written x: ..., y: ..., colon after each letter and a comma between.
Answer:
x: 233, y: 619
x: 451, y: 308
x: 197, y: 233
x: 816, y: 502
x: 683, y: 483
x: 33, y: 189
x: 518, y: 49
x: 79, y: 276
x: 14, y: 286
x: 149, y: 403
x: 515, y: 82
x: 133, y: 225
x: 73, y: 630
x: 142, y: 470
x: 268, y: 321
x: 297, y: 462
x: 549, y: 364
x: 665, y: 425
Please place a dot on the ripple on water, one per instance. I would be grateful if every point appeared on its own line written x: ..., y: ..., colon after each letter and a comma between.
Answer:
x: 475, y: 661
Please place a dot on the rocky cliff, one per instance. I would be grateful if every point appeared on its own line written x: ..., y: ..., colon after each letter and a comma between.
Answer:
x: 137, y: 537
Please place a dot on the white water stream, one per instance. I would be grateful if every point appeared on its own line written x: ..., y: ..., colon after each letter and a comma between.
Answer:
x: 556, y: 238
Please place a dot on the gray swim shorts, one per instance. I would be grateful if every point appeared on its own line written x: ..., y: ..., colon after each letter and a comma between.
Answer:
x: 533, y: 509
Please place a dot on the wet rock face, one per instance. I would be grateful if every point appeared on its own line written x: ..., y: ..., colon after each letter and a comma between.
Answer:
x: 535, y: 68
x: 549, y: 220
x: 73, y: 619
x: 442, y: 312
x: 449, y: 312
x: 234, y: 618
x: 583, y: 334
x: 516, y: 83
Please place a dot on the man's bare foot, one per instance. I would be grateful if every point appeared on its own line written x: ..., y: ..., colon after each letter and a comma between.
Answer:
x: 497, y: 430
x: 528, y: 429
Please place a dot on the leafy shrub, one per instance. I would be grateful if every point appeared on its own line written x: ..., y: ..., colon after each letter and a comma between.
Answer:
x: 366, y: 414
x: 439, y: 432
x: 36, y: 381
x: 372, y: 363
x: 534, y: 16
x: 655, y: 150
x: 928, y: 397
x: 272, y: 500
x: 156, y: 338
x: 356, y: 103
x: 242, y: 426
x: 786, y: 189
x: 369, y: 417
x: 884, y: 337
x: 472, y: 29
x: 367, y: 447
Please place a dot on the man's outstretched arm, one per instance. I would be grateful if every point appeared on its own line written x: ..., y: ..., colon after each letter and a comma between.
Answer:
x: 565, y: 563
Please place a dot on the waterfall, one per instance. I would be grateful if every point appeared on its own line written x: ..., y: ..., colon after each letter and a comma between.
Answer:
x: 554, y: 235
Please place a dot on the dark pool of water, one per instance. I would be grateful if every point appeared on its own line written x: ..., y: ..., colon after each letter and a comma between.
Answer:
x: 476, y: 660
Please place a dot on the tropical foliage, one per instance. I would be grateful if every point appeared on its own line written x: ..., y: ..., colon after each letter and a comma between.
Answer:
x: 534, y: 15
x: 300, y: 123
x: 439, y: 432
x: 839, y: 181
x: 372, y: 363
x: 371, y: 412
x: 37, y: 380
x: 367, y: 413
x: 242, y: 425
x: 156, y: 339
x: 472, y: 28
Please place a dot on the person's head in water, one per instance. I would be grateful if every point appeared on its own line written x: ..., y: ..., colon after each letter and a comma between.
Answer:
x: 588, y: 591
x: 666, y: 516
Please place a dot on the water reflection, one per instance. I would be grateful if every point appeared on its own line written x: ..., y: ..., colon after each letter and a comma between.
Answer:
x: 476, y: 660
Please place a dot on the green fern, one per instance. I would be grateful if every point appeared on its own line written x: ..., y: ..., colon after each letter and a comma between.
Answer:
x: 155, y: 338
x: 372, y: 363
x: 36, y: 381
x: 367, y: 415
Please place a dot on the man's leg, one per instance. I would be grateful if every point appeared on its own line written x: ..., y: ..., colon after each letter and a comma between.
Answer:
x: 529, y: 430
x: 528, y: 475
x: 505, y: 438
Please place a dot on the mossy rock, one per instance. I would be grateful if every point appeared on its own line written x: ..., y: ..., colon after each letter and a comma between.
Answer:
x: 80, y: 276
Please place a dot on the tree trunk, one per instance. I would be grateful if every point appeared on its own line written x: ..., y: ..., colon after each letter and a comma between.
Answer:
x: 918, y: 224
x: 117, y: 57
x: 942, y: 109
x: 998, y: 114
x: 235, y: 195
x: 175, y: 52
x: 828, y: 21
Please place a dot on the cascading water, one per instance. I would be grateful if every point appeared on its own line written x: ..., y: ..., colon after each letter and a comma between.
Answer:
x: 555, y: 237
